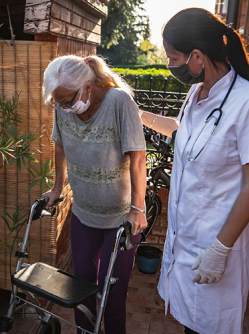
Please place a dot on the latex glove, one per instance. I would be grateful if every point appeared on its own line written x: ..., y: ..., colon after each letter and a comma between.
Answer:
x: 211, y: 263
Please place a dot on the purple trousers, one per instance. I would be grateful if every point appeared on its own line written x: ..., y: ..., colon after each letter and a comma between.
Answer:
x: 91, y: 251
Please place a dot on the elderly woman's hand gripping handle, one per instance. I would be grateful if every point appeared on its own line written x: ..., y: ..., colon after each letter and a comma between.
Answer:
x: 138, y: 188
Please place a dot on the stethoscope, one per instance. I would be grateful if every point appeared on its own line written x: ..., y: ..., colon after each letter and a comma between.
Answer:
x: 219, y: 109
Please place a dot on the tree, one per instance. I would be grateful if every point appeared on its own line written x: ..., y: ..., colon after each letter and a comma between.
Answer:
x: 151, y: 54
x: 121, y: 31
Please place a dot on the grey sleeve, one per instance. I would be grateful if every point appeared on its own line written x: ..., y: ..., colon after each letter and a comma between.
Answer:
x: 131, y: 128
x: 56, y: 134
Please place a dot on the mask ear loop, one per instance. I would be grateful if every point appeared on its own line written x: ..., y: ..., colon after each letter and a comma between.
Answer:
x: 189, y: 57
x: 80, y: 95
x: 78, y: 100
x: 200, y: 69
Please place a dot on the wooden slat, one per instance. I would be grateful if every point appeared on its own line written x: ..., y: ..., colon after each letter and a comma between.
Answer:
x: 68, y: 46
x: 37, y: 15
x: 76, y: 7
x: 94, y: 6
x: 77, y: 17
x: 64, y: 29
x: 65, y: 17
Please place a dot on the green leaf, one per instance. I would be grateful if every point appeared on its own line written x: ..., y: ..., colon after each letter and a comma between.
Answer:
x: 19, y: 164
x: 32, y: 184
x: 24, y: 162
x: 32, y: 159
x: 6, y: 222
x: 31, y: 172
x: 13, y: 130
x: 35, y: 169
x: 50, y: 183
x: 43, y: 186
x: 46, y: 166
x: 11, y: 161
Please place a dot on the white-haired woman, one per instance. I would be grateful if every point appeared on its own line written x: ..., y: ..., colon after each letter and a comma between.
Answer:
x: 99, y: 143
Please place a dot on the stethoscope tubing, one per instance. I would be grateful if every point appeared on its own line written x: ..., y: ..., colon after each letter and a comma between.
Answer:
x: 215, y: 124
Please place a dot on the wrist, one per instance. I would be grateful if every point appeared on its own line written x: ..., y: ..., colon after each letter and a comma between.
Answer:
x: 218, y: 245
x: 57, y: 190
x: 138, y: 209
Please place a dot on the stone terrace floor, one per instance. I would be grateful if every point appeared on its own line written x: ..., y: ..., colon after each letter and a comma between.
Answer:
x: 145, y: 312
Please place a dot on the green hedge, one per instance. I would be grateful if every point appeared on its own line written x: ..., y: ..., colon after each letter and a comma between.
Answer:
x: 144, y: 79
x: 134, y: 67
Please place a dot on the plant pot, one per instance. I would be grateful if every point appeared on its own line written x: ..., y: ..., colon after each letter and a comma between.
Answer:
x: 148, y: 259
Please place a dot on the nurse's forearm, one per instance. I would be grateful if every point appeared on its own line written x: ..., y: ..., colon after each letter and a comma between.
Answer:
x: 237, y: 219
x: 164, y: 125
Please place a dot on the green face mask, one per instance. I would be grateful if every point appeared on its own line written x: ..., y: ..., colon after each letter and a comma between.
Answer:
x: 183, y: 74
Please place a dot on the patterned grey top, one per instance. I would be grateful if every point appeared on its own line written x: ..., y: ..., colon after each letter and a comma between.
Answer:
x: 98, y: 168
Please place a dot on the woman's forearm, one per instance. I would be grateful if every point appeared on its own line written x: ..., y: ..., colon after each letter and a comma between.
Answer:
x: 164, y: 125
x: 60, y: 168
x: 138, y: 178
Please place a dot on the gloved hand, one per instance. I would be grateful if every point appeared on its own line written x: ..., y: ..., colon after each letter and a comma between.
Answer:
x: 211, y: 263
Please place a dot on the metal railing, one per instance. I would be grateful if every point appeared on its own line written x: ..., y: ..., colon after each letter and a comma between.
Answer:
x: 163, y: 102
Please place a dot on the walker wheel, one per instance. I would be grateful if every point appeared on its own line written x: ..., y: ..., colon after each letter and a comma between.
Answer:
x: 54, y: 327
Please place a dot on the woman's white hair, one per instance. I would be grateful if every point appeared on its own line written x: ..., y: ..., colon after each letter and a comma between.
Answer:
x: 69, y: 72
x: 72, y: 72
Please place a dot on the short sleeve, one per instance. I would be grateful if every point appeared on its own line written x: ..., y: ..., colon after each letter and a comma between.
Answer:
x: 130, y: 125
x: 56, y: 134
x: 243, y: 135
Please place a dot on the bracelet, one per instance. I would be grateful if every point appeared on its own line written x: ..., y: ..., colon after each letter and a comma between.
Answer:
x: 136, y: 208
x: 153, y: 121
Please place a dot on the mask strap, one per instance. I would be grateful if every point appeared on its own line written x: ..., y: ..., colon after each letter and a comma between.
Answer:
x: 80, y: 94
x: 202, y: 63
x: 189, y: 57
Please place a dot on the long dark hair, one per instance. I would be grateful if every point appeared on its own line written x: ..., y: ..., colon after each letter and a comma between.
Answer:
x: 197, y: 28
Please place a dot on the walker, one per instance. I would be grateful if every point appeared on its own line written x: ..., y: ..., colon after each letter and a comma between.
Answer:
x: 57, y: 286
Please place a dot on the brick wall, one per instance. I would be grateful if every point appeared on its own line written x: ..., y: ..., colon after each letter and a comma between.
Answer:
x: 63, y: 240
x: 158, y: 234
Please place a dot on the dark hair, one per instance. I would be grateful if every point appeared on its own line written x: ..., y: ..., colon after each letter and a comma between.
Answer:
x: 196, y: 28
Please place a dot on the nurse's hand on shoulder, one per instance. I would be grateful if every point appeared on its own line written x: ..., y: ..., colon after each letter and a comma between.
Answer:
x: 211, y: 263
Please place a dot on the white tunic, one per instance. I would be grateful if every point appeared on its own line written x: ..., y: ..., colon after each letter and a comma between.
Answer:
x: 202, y: 195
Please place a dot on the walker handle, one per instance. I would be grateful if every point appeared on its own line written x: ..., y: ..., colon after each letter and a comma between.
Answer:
x: 41, y: 204
x: 126, y: 238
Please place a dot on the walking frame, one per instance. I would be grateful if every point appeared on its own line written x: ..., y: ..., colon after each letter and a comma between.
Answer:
x: 57, y: 286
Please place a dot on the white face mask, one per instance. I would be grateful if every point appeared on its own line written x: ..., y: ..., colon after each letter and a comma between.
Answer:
x: 79, y: 107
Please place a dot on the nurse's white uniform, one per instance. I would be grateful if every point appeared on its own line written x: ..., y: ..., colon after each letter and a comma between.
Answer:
x: 201, y: 197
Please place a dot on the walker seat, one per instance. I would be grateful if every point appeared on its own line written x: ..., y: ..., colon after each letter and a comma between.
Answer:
x: 54, y: 285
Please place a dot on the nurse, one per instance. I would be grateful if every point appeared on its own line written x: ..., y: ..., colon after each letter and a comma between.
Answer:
x: 205, y: 268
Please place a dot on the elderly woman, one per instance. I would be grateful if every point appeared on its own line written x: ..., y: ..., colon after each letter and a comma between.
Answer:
x: 99, y: 142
